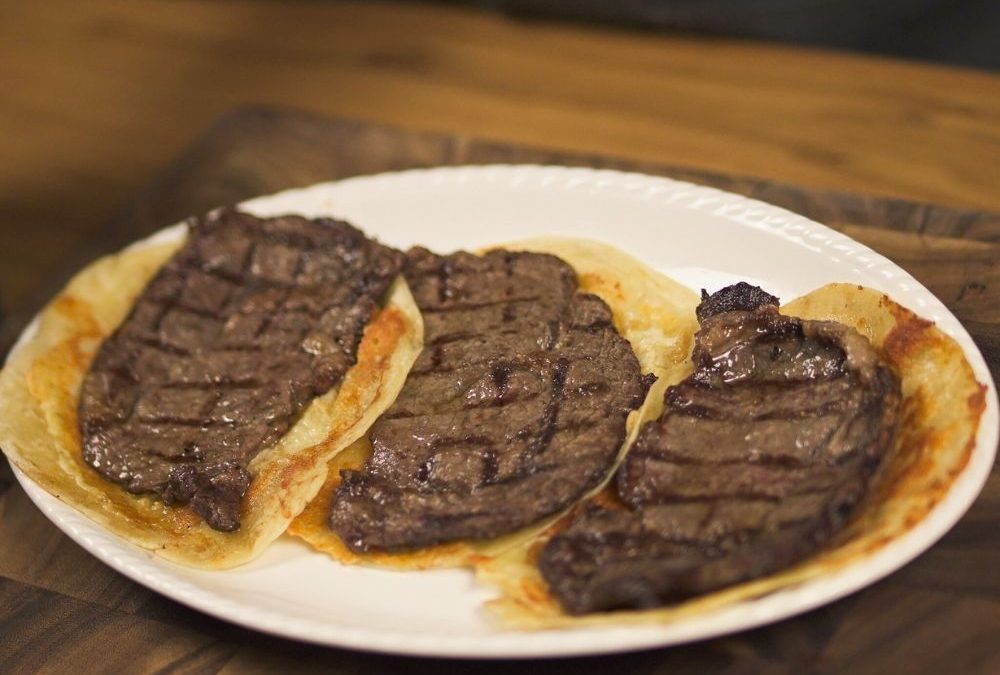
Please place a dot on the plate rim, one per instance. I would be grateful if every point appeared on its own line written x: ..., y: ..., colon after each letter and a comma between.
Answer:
x: 142, y: 567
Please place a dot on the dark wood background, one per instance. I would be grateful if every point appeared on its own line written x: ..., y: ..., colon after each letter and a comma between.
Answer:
x: 63, y: 611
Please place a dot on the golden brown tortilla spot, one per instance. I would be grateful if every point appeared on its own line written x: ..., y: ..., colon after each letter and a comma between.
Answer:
x: 534, y: 591
x: 654, y: 313
x: 39, y: 391
x: 907, y: 337
x: 77, y: 311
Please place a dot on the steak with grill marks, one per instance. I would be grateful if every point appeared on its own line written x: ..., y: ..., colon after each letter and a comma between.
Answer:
x: 757, y: 460
x: 247, y: 323
x: 514, y: 410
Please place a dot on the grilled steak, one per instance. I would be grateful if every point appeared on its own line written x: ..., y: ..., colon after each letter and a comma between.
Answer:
x: 515, y: 408
x: 758, y: 458
x: 248, y: 321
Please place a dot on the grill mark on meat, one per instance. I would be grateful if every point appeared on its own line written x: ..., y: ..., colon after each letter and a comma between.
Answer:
x: 501, y: 379
x: 464, y: 307
x: 452, y: 338
x: 689, y: 460
x: 768, y: 491
x: 235, y: 278
x: 434, y: 366
x: 475, y: 445
x: 191, y: 308
x: 508, y: 308
x: 448, y: 339
x: 758, y: 459
x: 491, y: 467
x: 164, y: 308
x: 487, y: 405
x: 242, y: 349
x: 194, y: 402
x: 551, y: 409
x: 159, y: 345
x: 554, y: 330
x: 818, y: 411
x: 465, y: 439
x: 691, y: 400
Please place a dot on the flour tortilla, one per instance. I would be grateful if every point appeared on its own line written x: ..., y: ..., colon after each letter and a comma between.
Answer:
x: 654, y: 313
x: 941, y: 407
x: 39, y: 391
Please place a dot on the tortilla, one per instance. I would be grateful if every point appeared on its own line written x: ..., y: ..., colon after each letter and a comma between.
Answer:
x: 654, y: 313
x: 940, y: 412
x: 39, y: 391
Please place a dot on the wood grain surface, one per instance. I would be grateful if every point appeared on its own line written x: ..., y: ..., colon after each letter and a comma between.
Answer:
x: 63, y: 611
x: 97, y: 95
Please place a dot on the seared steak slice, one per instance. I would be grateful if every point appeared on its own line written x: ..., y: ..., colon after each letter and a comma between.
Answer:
x: 247, y: 323
x: 515, y: 408
x: 758, y: 458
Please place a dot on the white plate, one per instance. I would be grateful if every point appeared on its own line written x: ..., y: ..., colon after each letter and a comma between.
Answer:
x: 700, y: 236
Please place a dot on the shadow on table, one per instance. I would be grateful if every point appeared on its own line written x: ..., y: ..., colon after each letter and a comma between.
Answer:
x: 959, y: 32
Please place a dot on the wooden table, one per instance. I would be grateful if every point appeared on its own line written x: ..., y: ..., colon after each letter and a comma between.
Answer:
x: 96, y: 95
x: 97, y: 98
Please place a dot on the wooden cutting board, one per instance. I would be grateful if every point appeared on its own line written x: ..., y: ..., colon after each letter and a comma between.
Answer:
x: 62, y: 610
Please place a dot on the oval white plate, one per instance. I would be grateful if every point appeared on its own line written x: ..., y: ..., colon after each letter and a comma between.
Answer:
x: 700, y: 236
